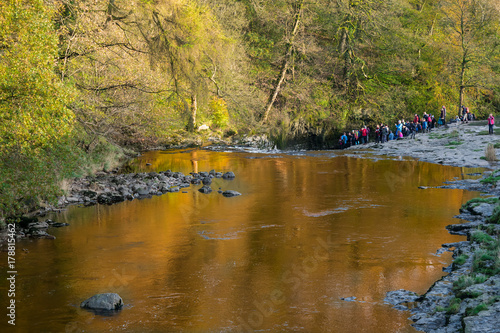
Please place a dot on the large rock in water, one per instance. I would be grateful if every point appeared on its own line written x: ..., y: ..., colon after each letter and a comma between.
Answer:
x: 228, y: 175
x: 230, y: 193
x: 205, y: 189
x: 107, y: 301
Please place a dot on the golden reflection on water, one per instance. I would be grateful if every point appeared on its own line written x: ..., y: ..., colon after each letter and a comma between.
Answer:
x: 308, y: 230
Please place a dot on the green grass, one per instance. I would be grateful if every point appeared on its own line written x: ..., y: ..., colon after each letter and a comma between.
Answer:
x: 477, y: 201
x: 493, y: 178
x: 496, y: 145
x: 481, y: 237
x: 476, y: 310
x: 461, y: 259
x: 495, y: 131
x: 495, y: 217
x: 486, y: 260
x: 453, y: 308
x: 465, y: 281
x: 451, y: 135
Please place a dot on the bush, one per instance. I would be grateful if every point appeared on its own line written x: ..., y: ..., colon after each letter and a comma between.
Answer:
x: 219, y: 114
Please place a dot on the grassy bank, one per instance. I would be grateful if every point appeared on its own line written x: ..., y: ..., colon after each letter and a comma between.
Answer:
x: 34, y: 180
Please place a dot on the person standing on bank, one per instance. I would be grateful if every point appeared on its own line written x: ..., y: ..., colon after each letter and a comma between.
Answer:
x: 491, y: 122
x: 443, y: 115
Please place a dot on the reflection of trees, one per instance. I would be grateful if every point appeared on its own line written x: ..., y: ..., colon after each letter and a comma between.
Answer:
x: 194, y: 160
x: 376, y: 248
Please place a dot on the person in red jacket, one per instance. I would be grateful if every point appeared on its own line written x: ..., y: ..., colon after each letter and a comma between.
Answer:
x: 491, y: 122
x: 364, y: 135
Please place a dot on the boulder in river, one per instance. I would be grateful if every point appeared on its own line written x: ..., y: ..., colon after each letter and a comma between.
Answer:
x: 107, y: 301
x: 196, y: 181
x: 38, y: 225
x: 205, y: 189
x: 230, y: 193
x: 207, y: 181
x: 228, y: 175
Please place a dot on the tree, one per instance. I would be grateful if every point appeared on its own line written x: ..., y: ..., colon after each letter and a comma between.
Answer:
x: 35, y: 122
x: 33, y: 100
x: 473, y: 30
x: 287, y: 59
x: 188, y: 45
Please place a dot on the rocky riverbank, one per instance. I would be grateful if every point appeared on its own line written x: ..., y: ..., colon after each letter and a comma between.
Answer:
x: 468, y: 298
x: 107, y: 188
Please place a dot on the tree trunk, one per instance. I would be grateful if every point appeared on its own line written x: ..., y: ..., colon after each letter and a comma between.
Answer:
x: 345, y: 54
x: 463, y: 66
x: 286, y: 62
x: 192, y: 118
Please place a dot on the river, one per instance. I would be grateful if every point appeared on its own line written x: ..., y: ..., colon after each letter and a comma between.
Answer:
x: 309, y: 229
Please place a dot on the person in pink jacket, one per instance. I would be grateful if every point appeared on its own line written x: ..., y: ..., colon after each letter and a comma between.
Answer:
x: 491, y: 122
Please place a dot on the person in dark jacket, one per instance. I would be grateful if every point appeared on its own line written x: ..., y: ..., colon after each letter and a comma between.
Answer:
x: 443, y: 115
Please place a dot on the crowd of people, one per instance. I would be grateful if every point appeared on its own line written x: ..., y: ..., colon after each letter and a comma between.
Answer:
x: 384, y: 132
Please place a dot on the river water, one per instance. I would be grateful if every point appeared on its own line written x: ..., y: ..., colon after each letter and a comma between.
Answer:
x: 309, y: 229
